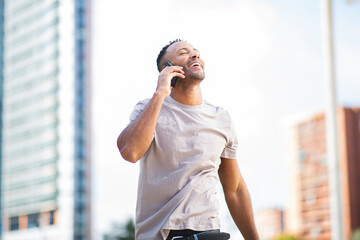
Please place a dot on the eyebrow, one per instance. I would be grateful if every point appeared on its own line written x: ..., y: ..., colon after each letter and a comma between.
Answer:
x: 187, y: 49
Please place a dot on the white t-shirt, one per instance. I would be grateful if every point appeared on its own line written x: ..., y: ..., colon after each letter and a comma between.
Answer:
x: 179, y: 171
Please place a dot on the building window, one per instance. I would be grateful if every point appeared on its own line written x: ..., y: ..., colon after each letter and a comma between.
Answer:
x: 33, y: 220
x: 302, y: 155
x: 324, y: 160
x: 52, y: 218
x: 14, y: 223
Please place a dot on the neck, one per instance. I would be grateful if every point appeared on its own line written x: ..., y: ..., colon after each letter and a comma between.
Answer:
x: 188, y: 95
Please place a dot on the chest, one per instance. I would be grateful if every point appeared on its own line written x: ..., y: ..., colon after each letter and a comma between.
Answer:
x: 191, y: 136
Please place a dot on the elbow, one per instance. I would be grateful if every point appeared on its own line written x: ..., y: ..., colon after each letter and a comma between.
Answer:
x: 130, y: 156
x: 127, y: 151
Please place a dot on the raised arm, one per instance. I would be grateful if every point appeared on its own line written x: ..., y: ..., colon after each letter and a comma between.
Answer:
x: 237, y: 198
x: 136, y: 138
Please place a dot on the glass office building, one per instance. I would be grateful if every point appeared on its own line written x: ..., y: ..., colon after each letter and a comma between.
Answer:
x: 1, y: 94
x: 45, y: 156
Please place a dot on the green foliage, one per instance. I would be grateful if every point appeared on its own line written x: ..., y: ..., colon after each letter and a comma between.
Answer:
x: 285, y: 237
x: 121, y: 231
x: 356, y: 234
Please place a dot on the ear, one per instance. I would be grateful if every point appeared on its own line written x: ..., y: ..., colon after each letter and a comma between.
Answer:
x: 164, y: 65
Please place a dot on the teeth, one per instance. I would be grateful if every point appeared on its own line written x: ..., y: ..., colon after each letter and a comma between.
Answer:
x: 195, y: 64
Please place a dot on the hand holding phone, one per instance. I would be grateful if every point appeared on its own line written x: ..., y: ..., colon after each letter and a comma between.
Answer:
x: 174, y: 79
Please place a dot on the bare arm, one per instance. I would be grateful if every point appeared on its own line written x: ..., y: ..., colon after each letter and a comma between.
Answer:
x: 237, y: 198
x: 136, y: 138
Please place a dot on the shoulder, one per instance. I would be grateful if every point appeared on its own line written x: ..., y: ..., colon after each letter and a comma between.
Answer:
x: 144, y: 101
x: 142, y: 104
x: 139, y: 107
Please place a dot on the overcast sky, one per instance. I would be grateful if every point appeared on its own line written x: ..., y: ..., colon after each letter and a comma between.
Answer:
x: 263, y: 64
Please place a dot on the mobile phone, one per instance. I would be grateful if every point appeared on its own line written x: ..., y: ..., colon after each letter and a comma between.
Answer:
x: 174, y: 79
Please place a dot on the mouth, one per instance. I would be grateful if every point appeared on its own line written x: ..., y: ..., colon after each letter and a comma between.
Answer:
x: 195, y: 65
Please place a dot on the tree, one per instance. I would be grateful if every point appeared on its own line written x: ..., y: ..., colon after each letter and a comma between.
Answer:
x: 124, y: 231
x: 356, y: 234
x: 285, y: 237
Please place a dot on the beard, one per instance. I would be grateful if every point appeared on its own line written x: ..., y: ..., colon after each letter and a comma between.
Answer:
x: 197, y: 75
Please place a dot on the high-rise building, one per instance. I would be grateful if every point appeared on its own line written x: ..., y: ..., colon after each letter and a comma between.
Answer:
x: 309, y: 213
x: 1, y: 94
x: 46, y: 161
x: 269, y: 223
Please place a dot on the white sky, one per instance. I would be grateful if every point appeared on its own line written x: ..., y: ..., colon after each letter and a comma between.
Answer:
x: 263, y: 64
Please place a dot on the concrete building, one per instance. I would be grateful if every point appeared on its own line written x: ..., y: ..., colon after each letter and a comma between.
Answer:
x: 309, y: 215
x: 269, y: 223
x: 46, y: 161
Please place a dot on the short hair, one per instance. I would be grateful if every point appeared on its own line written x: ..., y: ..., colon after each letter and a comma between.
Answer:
x: 163, y: 51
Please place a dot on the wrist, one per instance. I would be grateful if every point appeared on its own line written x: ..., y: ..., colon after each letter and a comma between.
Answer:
x: 160, y: 95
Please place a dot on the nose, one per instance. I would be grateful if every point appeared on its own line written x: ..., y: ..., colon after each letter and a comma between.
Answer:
x: 195, y: 55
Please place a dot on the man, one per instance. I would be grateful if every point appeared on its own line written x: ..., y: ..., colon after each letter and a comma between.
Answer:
x: 185, y: 145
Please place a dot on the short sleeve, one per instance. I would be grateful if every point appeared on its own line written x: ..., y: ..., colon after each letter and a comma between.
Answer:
x: 230, y: 149
x: 139, y: 107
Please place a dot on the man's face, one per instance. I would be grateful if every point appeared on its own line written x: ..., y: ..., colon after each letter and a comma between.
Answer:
x: 185, y: 55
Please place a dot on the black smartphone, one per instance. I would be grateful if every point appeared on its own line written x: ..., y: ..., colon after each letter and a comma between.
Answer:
x: 174, y: 79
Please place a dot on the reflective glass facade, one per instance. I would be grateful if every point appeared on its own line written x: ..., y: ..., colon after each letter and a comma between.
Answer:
x: 81, y: 123
x: 1, y: 95
x: 46, y: 124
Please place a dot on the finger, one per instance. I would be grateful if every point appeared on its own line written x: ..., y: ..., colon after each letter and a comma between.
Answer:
x: 178, y: 69
x: 174, y: 68
x: 176, y: 74
x: 173, y: 71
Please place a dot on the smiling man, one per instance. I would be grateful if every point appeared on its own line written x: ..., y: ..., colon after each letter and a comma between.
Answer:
x: 185, y: 146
